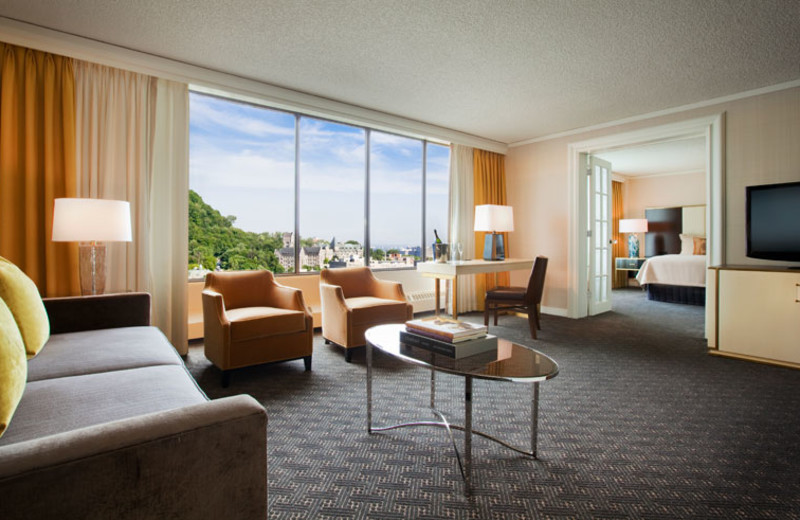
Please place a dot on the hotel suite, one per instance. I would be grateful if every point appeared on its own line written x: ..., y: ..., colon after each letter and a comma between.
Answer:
x: 659, y: 409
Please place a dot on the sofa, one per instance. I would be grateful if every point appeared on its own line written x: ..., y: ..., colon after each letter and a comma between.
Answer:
x: 111, y: 424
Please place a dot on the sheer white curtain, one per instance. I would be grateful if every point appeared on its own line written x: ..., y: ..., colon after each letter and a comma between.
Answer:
x: 462, y: 215
x: 133, y: 146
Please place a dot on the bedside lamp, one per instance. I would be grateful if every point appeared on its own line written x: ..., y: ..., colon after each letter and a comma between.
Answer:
x: 633, y: 226
x: 494, y: 219
x: 92, y: 221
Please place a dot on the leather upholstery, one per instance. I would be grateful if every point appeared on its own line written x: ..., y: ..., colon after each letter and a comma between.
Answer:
x: 250, y: 319
x: 526, y: 299
x: 353, y: 300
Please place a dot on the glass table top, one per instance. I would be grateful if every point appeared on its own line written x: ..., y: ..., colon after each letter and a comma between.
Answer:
x: 510, y: 362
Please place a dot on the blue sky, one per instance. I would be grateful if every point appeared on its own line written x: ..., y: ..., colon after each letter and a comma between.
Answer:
x: 242, y: 163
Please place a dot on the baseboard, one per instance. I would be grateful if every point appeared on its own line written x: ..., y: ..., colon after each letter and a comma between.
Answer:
x: 755, y: 359
x: 554, y: 311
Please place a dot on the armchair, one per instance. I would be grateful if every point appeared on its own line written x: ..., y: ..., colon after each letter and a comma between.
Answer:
x: 249, y: 319
x: 353, y: 300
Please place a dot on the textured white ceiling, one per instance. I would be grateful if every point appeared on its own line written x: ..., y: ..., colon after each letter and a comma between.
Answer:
x: 503, y: 70
x: 662, y: 158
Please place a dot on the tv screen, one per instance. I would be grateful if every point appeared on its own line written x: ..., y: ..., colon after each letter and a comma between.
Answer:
x: 773, y: 221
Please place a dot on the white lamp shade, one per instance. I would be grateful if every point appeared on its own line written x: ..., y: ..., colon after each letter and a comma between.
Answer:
x: 633, y: 225
x: 494, y: 218
x: 87, y: 220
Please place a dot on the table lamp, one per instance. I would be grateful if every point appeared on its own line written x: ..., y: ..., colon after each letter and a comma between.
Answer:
x: 494, y: 219
x: 633, y: 226
x: 91, y: 222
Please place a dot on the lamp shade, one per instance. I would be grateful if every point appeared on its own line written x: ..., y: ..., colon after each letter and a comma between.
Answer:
x: 494, y: 218
x: 633, y: 225
x: 88, y: 220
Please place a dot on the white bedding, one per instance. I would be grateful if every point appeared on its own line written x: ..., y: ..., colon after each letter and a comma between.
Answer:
x: 674, y: 270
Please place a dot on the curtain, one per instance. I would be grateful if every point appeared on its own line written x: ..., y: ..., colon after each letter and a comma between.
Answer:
x: 462, y: 216
x: 37, y: 165
x: 619, y: 248
x: 490, y: 188
x: 133, y: 145
x: 169, y: 213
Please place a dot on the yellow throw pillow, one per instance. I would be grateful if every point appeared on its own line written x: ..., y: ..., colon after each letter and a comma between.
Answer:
x: 22, y: 297
x: 13, y: 366
x: 699, y: 245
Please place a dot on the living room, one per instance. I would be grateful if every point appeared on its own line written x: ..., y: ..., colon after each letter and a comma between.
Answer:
x: 727, y: 71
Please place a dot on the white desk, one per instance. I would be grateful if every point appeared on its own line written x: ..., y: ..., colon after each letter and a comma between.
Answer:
x: 451, y: 271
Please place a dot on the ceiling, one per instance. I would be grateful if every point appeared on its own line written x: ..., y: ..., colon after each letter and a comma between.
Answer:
x: 507, y: 71
x: 671, y: 157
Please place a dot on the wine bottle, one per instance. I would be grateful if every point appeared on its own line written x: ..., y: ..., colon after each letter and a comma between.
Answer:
x: 438, y: 240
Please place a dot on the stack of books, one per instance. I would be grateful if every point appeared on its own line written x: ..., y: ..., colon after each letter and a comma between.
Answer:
x: 452, y: 338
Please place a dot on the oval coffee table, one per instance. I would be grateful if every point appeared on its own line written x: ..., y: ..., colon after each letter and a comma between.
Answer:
x: 510, y: 362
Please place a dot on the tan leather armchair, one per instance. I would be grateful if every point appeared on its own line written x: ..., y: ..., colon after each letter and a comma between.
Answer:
x: 353, y: 300
x: 249, y: 319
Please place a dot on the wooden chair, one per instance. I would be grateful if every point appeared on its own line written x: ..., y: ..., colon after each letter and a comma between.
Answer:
x: 527, y: 298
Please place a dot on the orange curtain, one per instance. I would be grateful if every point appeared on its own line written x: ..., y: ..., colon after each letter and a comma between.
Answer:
x: 489, y: 174
x: 37, y: 164
x: 620, y: 248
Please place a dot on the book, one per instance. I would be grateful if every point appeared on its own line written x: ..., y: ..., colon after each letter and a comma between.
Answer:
x: 454, y: 350
x: 446, y: 339
x: 448, y: 329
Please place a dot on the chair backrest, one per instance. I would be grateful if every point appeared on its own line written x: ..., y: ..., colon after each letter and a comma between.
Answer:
x: 242, y: 288
x: 354, y: 281
x: 533, y: 296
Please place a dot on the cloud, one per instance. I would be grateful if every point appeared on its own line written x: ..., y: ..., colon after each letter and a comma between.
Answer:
x: 213, y: 114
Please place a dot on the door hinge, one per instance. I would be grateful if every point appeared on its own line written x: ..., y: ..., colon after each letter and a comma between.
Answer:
x: 589, y: 233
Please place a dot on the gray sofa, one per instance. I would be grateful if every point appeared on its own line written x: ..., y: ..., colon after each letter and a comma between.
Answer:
x: 112, y: 425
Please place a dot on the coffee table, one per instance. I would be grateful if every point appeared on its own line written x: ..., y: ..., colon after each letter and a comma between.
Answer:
x: 510, y: 363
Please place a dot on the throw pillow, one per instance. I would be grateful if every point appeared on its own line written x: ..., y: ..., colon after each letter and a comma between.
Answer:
x: 687, y: 244
x: 22, y: 298
x: 699, y: 245
x: 13, y: 366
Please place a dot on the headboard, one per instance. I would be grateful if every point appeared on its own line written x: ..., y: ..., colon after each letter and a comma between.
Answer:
x: 664, y: 225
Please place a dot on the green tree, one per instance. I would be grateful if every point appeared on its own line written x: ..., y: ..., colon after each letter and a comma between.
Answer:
x: 377, y: 254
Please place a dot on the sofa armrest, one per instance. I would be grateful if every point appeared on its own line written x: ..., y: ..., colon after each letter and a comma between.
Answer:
x: 388, y: 290
x: 193, y: 462
x: 103, y: 311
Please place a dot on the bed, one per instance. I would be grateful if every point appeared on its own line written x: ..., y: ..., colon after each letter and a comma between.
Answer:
x: 675, y: 269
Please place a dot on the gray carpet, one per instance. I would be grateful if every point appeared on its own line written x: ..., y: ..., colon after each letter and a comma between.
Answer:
x: 640, y: 423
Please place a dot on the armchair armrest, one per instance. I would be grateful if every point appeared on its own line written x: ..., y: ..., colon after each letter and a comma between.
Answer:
x: 388, y: 290
x: 152, y: 466
x: 104, y: 311
x: 288, y: 298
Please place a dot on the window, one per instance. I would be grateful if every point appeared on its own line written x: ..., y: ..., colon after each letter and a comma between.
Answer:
x: 286, y: 192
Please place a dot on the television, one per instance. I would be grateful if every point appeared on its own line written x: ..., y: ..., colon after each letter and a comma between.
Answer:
x: 773, y: 221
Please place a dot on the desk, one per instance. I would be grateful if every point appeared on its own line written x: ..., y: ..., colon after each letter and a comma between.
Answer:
x: 451, y: 271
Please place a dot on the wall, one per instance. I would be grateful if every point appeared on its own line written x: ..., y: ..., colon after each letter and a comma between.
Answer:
x: 761, y: 146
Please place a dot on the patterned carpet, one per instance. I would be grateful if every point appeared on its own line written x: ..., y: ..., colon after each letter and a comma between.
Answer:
x: 640, y: 423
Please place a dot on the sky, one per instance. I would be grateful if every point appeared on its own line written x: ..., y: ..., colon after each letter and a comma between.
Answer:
x: 242, y: 162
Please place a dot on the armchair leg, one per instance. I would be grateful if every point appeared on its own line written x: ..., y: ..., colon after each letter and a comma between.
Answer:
x: 226, y: 378
x: 307, y: 362
x: 348, y: 355
x: 327, y: 341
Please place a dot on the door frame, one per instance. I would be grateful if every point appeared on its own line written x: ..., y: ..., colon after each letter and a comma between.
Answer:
x: 712, y: 128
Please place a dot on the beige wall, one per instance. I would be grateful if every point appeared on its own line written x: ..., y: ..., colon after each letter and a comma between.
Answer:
x: 762, y: 145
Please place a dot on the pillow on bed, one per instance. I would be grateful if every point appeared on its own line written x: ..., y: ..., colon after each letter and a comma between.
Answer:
x: 687, y: 244
x: 699, y: 245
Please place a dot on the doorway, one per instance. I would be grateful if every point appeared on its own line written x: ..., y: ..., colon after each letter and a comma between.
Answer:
x: 582, y: 271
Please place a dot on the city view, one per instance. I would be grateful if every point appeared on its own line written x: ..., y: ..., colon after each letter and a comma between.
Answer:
x: 250, y: 166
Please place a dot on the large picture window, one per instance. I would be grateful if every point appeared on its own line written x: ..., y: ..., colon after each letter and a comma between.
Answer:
x: 290, y: 193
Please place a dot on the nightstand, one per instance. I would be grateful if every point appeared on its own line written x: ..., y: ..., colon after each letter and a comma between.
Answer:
x: 629, y: 264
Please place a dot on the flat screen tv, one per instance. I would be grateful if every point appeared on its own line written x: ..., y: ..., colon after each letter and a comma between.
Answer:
x: 773, y: 221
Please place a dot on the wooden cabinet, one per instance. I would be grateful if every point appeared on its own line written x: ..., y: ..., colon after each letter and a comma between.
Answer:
x: 757, y: 314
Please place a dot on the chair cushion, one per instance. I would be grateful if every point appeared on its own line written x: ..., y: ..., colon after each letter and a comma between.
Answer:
x: 257, y: 322
x: 368, y: 309
x: 25, y: 303
x: 507, y: 294
x: 13, y: 366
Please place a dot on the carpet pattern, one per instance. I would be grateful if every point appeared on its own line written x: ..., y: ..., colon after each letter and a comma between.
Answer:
x: 640, y: 423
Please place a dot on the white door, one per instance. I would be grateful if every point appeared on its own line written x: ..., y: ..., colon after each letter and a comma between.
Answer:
x: 598, y: 183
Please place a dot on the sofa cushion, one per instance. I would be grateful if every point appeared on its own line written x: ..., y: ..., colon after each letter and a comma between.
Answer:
x: 103, y: 350
x: 22, y: 297
x: 13, y: 366
x: 63, y: 404
x: 367, y: 309
x: 257, y: 322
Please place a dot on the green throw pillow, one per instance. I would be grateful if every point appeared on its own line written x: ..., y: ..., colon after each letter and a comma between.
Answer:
x: 22, y: 298
x: 13, y: 366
